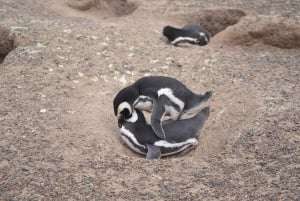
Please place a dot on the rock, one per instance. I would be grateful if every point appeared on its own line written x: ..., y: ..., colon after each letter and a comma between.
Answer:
x: 25, y: 168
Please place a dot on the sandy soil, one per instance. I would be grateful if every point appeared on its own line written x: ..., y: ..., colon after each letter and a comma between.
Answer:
x: 67, y: 60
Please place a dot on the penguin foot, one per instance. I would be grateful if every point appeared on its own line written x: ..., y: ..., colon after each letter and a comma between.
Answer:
x: 207, y: 95
x: 153, y: 152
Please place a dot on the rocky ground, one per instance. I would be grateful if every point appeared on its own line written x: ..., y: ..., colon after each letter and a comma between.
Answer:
x: 67, y: 60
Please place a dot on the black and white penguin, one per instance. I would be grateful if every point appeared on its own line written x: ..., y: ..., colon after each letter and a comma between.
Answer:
x: 162, y: 96
x: 181, y: 135
x: 191, y: 33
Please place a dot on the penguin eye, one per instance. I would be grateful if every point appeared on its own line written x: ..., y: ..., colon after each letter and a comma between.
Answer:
x: 124, y: 110
x: 126, y: 113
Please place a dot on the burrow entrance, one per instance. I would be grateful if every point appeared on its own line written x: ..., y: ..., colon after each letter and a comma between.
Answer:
x: 281, y: 35
x: 214, y: 21
x: 7, y: 43
x: 275, y: 34
x: 102, y: 8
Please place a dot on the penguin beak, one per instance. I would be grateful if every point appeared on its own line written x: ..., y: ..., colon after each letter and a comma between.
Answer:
x: 121, y: 121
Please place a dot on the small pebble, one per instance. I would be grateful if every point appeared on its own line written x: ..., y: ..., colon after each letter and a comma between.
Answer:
x: 95, y: 79
x: 80, y: 74
x: 25, y: 168
x: 43, y: 110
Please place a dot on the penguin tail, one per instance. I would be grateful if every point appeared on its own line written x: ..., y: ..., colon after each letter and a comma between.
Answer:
x: 205, y: 97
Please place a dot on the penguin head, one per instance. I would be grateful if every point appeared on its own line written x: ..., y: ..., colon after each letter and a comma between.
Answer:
x: 202, y: 38
x: 166, y: 30
x: 124, y: 112
x: 137, y: 117
x: 123, y: 102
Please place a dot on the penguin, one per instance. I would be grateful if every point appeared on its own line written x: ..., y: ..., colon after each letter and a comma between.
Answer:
x: 161, y: 95
x: 181, y: 135
x: 191, y: 33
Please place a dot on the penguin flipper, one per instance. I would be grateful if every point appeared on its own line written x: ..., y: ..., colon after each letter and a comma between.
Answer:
x: 158, y: 112
x: 202, y: 102
x: 153, y: 152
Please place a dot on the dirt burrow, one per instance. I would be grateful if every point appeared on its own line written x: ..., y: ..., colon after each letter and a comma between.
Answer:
x: 7, y: 43
x: 95, y: 9
x: 224, y: 25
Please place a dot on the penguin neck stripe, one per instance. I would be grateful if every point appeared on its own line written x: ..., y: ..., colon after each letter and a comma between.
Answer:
x: 166, y: 144
x: 131, y: 136
x: 204, y: 35
x: 133, y: 118
x: 131, y: 145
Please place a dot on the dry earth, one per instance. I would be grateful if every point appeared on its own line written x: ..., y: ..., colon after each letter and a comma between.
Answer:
x: 67, y: 60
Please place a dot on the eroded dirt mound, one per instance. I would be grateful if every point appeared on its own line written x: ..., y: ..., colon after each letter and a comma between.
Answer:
x: 278, y: 35
x: 113, y: 7
x: 281, y: 35
x: 7, y: 43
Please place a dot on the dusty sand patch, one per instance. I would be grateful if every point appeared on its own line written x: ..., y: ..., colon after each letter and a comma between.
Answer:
x: 59, y: 137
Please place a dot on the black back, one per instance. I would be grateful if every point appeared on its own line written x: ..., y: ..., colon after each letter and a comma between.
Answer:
x: 196, y: 28
x: 149, y: 86
x: 172, y: 33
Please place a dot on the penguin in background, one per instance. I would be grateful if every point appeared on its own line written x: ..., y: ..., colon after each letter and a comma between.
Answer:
x: 162, y: 96
x: 192, y: 33
x: 181, y: 135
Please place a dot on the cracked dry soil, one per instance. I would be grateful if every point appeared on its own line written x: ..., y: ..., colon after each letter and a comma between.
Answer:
x: 62, y: 62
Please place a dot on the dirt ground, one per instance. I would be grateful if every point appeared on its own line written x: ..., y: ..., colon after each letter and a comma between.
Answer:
x: 62, y: 62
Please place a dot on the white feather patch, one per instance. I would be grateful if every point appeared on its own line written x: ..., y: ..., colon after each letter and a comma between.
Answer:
x: 204, y: 35
x: 166, y: 144
x: 122, y: 106
x: 130, y: 135
x: 179, y: 39
x: 147, y: 106
x: 169, y: 93
x: 133, y: 118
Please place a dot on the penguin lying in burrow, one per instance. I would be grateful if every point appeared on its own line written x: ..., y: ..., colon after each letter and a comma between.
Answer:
x: 192, y: 33
x: 162, y: 96
x: 181, y: 135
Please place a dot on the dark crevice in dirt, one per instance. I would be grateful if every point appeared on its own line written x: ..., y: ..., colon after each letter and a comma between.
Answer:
x: 116, y: 8
x: 7, y: 43
x: 214, y: 21
x: 278, y: 35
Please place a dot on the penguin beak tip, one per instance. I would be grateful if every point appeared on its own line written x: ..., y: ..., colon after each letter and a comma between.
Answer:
x: 120, y: 122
